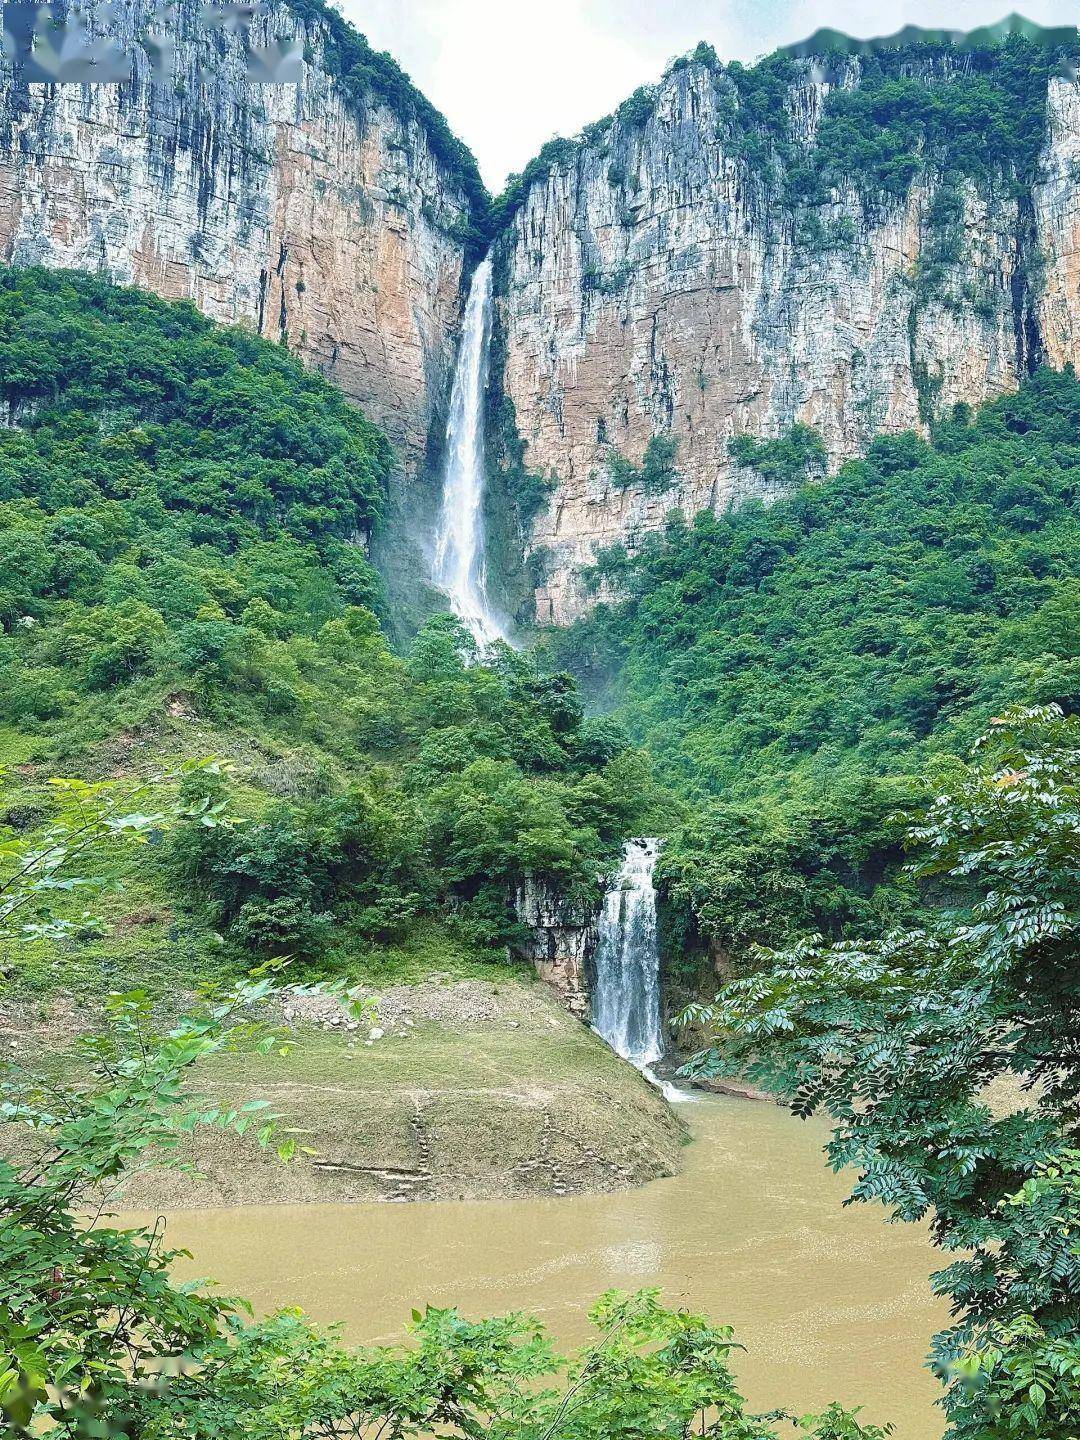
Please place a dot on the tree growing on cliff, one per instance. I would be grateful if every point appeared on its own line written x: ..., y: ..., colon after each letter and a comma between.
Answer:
x: 949, y: 1061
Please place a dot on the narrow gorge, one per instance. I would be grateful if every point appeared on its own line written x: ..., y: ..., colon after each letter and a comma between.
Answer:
x: 717, y: 263
x: 478, y: 673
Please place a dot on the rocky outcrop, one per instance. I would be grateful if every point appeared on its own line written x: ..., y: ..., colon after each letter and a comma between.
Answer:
x: 558, y: 939
x: 1057, y: 216
x: 317, y: 216
x: 656, y: 282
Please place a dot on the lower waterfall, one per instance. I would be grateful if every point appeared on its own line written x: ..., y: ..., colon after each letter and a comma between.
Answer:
x: 459, y: 568
x: 626, y: 996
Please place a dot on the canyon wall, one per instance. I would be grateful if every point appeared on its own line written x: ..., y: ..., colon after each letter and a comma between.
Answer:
x: 310, y: 212
x: 655, y: 282
x: 558, y: 938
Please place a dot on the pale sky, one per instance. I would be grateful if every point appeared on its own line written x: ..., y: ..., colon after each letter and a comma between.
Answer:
x: 510, y: 74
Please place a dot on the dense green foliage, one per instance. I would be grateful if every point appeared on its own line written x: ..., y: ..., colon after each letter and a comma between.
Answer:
x: 179, y: 510
x: 977, y: 114
x: 171, y: 493
x: 657, y: 471
x: 88, y: 817
x: 949, y: 1060
x: 780, y: 661
x: 786, y: 461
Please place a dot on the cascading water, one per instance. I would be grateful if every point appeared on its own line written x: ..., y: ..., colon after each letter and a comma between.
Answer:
x: 458, y: 566
x: 626, y: 996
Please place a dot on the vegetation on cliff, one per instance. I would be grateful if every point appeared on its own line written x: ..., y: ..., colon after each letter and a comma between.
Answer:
x: 181, y: 509
x: 796, y: 669
x: 972, y: 114
x: 365, y: 73
x: 976, y: 111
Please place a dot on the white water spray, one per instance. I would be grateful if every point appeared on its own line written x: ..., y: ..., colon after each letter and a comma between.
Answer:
x: 626, y: 997
x: 459, y: 568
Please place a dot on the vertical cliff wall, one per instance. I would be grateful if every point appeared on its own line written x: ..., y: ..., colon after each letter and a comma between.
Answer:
x: 319, y: 214
x: 1056, y: 205
x: 558, y: 938
x: 721, y: 258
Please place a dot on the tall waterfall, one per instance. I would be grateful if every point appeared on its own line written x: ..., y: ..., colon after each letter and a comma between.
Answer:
x: 626, y: 996
x: 459, y: 568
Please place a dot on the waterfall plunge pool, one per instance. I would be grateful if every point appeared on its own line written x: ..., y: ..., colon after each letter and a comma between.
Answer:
x: 831, y: 1303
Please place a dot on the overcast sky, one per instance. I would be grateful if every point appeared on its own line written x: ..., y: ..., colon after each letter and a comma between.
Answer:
x: 510, y: 74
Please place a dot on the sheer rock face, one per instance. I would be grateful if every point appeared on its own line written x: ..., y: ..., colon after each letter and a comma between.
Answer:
x: 558, y: 940
x: 1057, y: 214
x: 654, y: 285
x: 290, y: 209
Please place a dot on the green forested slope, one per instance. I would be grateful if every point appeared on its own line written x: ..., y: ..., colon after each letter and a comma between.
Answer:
x: 795, y: 669
x: 180, y: 511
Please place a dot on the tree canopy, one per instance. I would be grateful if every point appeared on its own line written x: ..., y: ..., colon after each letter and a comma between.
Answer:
x: 948, y: 1059
x: 795, y: 669
x: 182, y: 511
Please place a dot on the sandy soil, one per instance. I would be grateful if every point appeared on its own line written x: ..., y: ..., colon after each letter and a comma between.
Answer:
x: 450, y: 1090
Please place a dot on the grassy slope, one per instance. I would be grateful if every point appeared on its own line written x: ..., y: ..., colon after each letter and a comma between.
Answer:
x: 180, y: 588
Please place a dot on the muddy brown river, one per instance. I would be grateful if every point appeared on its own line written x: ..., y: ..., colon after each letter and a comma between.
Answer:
x: 831, y: 1303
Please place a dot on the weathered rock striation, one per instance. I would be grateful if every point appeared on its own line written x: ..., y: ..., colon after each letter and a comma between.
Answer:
x: 663, y: 278
x: 311, y: 213
x: 558, y: 940
x: 656, y: 280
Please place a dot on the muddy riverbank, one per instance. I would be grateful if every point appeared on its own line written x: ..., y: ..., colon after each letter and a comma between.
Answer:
x: 454, y: 1089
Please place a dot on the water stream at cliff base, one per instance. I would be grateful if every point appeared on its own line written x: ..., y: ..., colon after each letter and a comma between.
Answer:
x: 626, y: 994
x: 459, y: 567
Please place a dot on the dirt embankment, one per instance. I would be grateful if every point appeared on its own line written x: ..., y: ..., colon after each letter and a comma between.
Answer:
x: 452, y: 1090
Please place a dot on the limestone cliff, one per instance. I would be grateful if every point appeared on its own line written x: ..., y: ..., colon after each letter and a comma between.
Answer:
x: 684, y: 272
x: 319, y: 214
x: 558, y: 938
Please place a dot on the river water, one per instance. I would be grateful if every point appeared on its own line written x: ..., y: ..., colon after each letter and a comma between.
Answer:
x: 831, y: 1303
